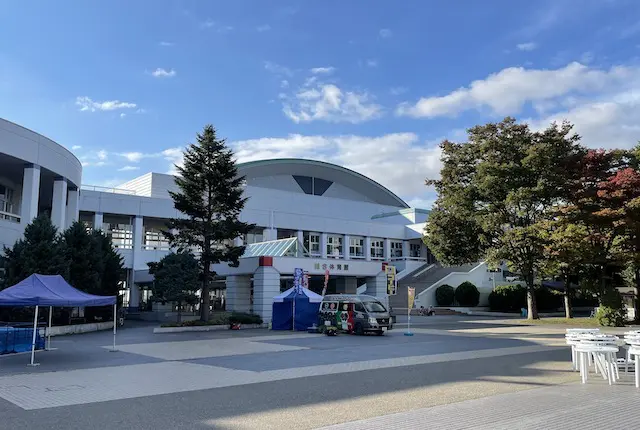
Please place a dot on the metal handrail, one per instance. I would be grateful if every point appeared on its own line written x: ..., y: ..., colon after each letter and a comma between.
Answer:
x: 107, y: 189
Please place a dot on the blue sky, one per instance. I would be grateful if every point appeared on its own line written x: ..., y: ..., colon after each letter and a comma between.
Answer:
x: 371, y: 85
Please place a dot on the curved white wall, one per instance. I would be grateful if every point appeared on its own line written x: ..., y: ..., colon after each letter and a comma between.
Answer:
x: 34, y: 148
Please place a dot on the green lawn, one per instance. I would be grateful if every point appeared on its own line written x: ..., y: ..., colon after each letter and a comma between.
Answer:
x: 572, y: 322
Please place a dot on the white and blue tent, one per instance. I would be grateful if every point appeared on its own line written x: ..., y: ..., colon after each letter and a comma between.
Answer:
x: 297, y: 306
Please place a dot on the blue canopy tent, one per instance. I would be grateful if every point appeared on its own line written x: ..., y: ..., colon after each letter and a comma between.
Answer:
x: 296, y: 308
x: 52, y: 290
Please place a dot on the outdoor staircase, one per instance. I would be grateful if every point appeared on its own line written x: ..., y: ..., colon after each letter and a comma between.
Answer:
x: 421, y: 280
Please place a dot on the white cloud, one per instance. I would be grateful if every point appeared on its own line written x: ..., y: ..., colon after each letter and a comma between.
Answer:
x: 323, y: 70
x: 372, y: 63
x: 209, y: 23
x: 163, y: 73
x: 396, y: 91
x: 385, y: 33
x: 166, y: 44
x: 128, y: 168
x: 175, y: 157
x: 102, y: 154
x: 277, y: 69
x: 122, y: 115
x: 528, y: 46
x: 76, y: 147
x: 422, y: 203
x: 133, y: 157
x: 398, y: 161
x: 263, y: 28
x: 88, y: 105
x: 327, y: 102
x: 284, y: 83
x: 507, y: 91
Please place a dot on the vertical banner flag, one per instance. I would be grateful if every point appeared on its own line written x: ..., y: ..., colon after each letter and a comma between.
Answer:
x: 297, y: 280
x: 326, y: 282
x: 391, y: 280
x: 411, y: 293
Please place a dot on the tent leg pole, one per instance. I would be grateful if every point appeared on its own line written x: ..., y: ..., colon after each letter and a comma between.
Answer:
x: 115, y: 324
x: 33, y: 340
x: 49, y: 328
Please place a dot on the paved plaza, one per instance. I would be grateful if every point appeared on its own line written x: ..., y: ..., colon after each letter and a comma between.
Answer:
x: 454, y: 372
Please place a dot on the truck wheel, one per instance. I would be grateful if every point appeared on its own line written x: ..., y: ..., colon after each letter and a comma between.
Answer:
x: 379, y: 333
x: 359, y: 329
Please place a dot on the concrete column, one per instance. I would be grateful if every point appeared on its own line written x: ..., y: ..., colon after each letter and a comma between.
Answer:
x: 238, y: 294
x: 367, y: 248
x: 387, y: 250
x: 266, y: 285
x: 73, y: 202
x: 300, y: 237
x: 270, y: 234
x: 30, y: 194
x: 377, y: 286
x: 134, y: 291
x: 405, y: 249
x: 347, y: 285
x: 59, y: 203
x: 323, y: 245
x: 98, y: 220
x: 345, y: 247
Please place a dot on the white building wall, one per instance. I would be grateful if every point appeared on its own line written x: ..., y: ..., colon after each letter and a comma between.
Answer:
x: 141, y: 185
x: 278, y: 182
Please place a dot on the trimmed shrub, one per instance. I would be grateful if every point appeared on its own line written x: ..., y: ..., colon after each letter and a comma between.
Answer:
x: 612, y: 312
x: 244, y: 318
x: 445, y: 295
x: 467, y: 295
x: 508, y: 298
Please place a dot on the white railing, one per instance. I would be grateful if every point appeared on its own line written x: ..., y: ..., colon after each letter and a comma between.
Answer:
x: 6, y: 211
x: 148, y: 247
x: 107, y: 189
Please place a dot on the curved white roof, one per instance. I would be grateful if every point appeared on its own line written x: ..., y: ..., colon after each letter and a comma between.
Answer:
x: 360, y: 184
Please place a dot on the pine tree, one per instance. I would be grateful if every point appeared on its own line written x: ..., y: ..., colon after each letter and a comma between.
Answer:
x: 84, y: 257
x: 211, y: 197
x: 41, y: 251
x: 111, y: 264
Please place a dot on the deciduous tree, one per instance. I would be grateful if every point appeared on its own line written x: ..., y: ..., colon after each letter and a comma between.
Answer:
x: 177, y: 278
x: 498, y: 188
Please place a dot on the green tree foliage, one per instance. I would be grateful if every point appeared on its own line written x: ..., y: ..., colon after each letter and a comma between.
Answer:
x: 84, y: 259
x: 177, y: 279
x: 112, y: 264
x: 566, y: 253
x: 467, y: 294
x: 41, y: 250
x: 210, y: 194
x: 494, y: 192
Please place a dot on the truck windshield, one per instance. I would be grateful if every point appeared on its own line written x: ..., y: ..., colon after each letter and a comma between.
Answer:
x: 374, y: 307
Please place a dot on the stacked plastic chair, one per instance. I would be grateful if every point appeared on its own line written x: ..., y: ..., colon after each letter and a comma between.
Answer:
x: 604, y: 350
x: 632, y: 339
x: 571, y: 337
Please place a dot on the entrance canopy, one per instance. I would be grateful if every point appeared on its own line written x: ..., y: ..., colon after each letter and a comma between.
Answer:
x: 289, y: 247
x: 50, y: 290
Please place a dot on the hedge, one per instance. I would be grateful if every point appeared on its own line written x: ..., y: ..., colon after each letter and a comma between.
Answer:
x: 512, y: 298
x: 467, y: 295
x: 445, y: 295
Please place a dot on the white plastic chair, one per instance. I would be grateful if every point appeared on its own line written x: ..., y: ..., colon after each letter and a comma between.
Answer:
x: 572, y: 338
x: 635, y: 351
x: 604, y: 351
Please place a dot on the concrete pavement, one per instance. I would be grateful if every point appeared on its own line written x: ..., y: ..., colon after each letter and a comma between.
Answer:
x: 261, y: 379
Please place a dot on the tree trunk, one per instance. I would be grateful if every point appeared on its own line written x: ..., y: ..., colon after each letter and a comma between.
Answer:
x: 567, y: 298
x: 567, y: 304
x: 204, y: 310
x: 179, y: 312
x: 636, y: 299
x: 532, y: 307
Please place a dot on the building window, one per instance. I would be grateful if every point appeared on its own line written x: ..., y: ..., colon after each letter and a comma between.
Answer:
x: 315, y: 186
x: 286, y: 234
x: 415, y: 250
x: 120, y: 230
x: 312, y: 243
x: 254, y: 236
x: 377, y: 248
x: 396, y: 249
x: 154, y: 239
x: 334, y: 246
x: 356, y: 247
